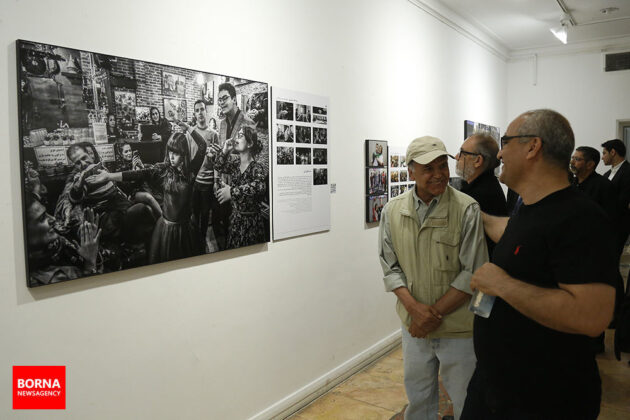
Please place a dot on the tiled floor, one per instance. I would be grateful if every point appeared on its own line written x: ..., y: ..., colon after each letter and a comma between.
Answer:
x: 378, y: 393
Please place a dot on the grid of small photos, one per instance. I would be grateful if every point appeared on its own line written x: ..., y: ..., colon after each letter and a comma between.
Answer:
x: 399, y: 181
x: 376, y: 179
x: 302, y: 137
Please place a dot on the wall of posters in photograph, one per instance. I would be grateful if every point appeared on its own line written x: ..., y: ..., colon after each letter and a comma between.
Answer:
x: 376, y: 179
x: 399, y: 181
x: 74, y: 103
x: 300, y: 156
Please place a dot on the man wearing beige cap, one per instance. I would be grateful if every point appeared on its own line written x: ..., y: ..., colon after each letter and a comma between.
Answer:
x: 431, y: 241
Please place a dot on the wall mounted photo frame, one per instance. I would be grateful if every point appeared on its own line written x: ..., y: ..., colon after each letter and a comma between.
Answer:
x: 68, y: 154
x: 376, y: 178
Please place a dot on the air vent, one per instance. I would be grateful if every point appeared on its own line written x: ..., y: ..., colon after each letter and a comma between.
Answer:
x: 617, y: 61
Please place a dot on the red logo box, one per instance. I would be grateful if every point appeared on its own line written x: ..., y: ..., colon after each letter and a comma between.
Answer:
x: 39, y: 387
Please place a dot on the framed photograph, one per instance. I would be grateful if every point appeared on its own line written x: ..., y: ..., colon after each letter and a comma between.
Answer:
x: 320, y: 156
x: 303, y: 113
x: 175, y: 109
x: 320, y: 115
x: 207, y: 92
x: 394, y: 176
x: 285, y: 155
x: 125, y: 108
x: 320, y: 176
x: 142, y: 114
x: 394, y: 161
x: 375, y: 153
x: 402, y: 175
x: 395, y: 191
x: 284, y: 111
x: 285, y: 133
x: 303, y: 156
x: 320, y: 135
x: 376, y: 181
x: 173, y: 84
x: 374, y: 205
x: 302, y: 134
x: 60, y: 231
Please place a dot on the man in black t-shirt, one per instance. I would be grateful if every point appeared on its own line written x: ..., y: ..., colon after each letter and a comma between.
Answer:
x: 552, y: 273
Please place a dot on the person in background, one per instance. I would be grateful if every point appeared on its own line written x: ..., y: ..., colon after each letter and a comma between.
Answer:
x: 163, y: 130
x: 476, y: 161
x: 553, y: 291
x: 113, y: 132
x: 431, y: 242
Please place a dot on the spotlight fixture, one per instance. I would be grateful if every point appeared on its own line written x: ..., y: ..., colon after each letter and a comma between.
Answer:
x: 560, y: 32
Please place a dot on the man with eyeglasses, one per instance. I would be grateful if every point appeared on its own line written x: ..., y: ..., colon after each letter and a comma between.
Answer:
x: 597, y: 187
x: 232, y: 121
x: 476, y: 162
x: 431, y: 241
x: 553, y: 273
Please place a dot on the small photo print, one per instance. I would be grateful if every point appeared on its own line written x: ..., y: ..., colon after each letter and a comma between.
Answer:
x: 175, y: 109
x: 302, y: 134
x: 394, y: 191
x: 320, y: 111
x: 285, y: 156
x: 284, y: 111
x: 173, y: 84
x: 393, y: 176
x: 376, y: 153
x: 403, y: 188
x: 320, y: 176
x: 403, y: 164
x: 320, y: 135
x: 142, y: 114
x: 320, y: 119
x: 320, y: 156
x: 376, y: 181
x: 393, y: 161
x: 285, y: 133
x: 375, y: 208
x: 302, y: 155
x: 303, y: 113
x: 403, y: 176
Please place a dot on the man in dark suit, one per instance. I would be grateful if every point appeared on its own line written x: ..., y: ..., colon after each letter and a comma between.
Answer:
x: 614, y: 155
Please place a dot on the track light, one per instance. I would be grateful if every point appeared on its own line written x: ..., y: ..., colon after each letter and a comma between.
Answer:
x: 560, y: 32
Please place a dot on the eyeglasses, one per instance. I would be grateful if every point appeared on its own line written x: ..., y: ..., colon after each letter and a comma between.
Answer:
x: 464, y: 152
x: 506, y: 139
x: 579, y: 159
x: 223, y: 98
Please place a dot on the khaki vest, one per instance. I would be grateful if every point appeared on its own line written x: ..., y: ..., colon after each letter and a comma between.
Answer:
x: 429, y: 255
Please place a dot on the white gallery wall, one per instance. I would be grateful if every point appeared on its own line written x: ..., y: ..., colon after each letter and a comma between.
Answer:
x: 576, y: 86
x: 243, y: 333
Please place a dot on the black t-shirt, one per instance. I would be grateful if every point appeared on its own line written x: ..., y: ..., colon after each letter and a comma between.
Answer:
x: 563, y: 238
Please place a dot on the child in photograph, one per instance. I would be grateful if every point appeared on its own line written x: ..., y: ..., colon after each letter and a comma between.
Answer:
x: 377, y: 156
x: 247, y: 192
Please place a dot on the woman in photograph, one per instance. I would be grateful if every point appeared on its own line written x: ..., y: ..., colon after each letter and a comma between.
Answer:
x: 173, y: 235
x: 113, y: 132
x: 247, y: 192
x: 377, y: 156
x: 163, y: 132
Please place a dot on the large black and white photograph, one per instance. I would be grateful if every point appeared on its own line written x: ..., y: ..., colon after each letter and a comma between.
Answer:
x: 285, y: 133
x: 320, y: 176
x: 114, y: 173
x: 302, y: 155
x: 375, y: 153
x: 376, y: 181
x: 284, y: 111
x: 285, y: 156
x: 320, y: 135
x: 320, y: 156
x: 302, y: 134
x: 303, y: 113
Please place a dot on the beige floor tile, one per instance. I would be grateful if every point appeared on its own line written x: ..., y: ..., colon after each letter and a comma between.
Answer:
x: 612, y: 414
x: 616, y: 392
x: 374, y: 390
x: 339, y: 407
x: 390, y: 367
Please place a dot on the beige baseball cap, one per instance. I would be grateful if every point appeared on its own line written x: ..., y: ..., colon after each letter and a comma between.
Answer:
x: 425, y: 149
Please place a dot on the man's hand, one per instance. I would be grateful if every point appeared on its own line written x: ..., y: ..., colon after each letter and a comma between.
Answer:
x: 213, y: 150
x: 100, y: 178
x: 489, y: 278
x: 156, y: 137
x: 425, y: 316
x: 416, y: 331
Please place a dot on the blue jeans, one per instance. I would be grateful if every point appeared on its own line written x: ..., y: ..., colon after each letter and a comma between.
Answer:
x: 455, y: 360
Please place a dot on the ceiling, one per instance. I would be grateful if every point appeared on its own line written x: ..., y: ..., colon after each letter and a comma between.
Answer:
x: 521, y: 25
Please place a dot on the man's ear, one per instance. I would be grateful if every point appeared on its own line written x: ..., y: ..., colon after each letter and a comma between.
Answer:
x: 534, y: 148
x: 479, y: 160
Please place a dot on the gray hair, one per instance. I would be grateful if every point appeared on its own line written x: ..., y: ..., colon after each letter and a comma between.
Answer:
x: 555, y: 132
x: 488, y: 148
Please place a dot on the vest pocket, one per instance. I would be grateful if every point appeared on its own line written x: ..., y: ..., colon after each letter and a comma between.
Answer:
x: 446, y: 251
